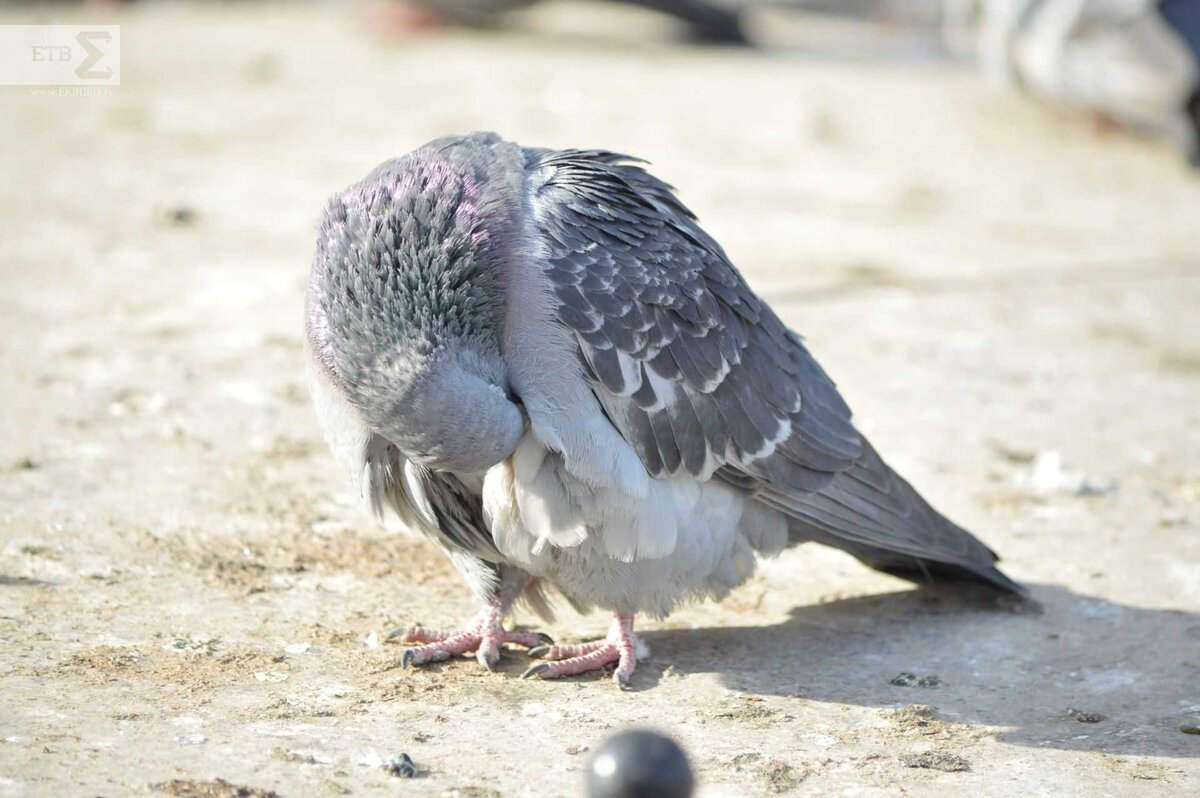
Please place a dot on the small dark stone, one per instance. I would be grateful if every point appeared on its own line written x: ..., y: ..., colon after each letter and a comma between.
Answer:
x: 639, y: 764
x: 181, y: 215
x: 906, y: 679
x: 401, y: 766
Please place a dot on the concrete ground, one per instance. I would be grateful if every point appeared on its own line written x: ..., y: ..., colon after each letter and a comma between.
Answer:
x: 1007, y: 294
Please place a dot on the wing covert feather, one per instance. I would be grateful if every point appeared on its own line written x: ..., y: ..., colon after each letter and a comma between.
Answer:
x: 699, y: 373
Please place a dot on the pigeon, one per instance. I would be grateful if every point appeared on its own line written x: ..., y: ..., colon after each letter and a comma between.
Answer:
x: 1137, y: 62
x: 540, y: 361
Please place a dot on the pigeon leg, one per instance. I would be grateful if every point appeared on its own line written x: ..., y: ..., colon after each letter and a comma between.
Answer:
x: 622, y: 646
x: 484, y: 635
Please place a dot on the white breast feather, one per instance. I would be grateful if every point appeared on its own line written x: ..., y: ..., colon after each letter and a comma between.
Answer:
x: 345, y: 433
x: 714, y: 533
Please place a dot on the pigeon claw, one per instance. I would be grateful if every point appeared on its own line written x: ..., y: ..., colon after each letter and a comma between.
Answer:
x: 536, y: 670
x: 484, y: 637
x: 621, y: 647
x: 597, y: 656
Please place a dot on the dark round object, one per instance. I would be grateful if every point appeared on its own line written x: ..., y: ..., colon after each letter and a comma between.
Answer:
x: 639, y: 764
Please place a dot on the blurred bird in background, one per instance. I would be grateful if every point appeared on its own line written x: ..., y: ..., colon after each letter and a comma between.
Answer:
x: 704, y: 22
x: 1137, y: 62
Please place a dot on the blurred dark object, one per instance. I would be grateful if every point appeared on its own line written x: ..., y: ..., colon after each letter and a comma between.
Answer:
x: 639, y: 764
x: 1184, y: 17
x: 706, y: 22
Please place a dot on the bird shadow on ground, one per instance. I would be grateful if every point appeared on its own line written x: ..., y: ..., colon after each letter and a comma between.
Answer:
x: 1077, y: 673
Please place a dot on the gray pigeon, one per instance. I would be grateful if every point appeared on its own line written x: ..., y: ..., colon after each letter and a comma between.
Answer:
x: 1135, y: 61
x: 540, y: 361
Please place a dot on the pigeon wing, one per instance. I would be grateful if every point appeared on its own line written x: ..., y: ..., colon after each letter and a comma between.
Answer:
x: 701, y: 377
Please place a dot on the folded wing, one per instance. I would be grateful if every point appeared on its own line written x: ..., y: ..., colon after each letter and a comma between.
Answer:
x: 701, y: 377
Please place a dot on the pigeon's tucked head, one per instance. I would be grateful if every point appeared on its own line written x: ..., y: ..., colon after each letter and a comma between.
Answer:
x: 406, y: 301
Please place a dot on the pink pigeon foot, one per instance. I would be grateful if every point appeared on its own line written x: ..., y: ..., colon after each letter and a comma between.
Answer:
x: 484, y: 636
x: 622, y: 646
